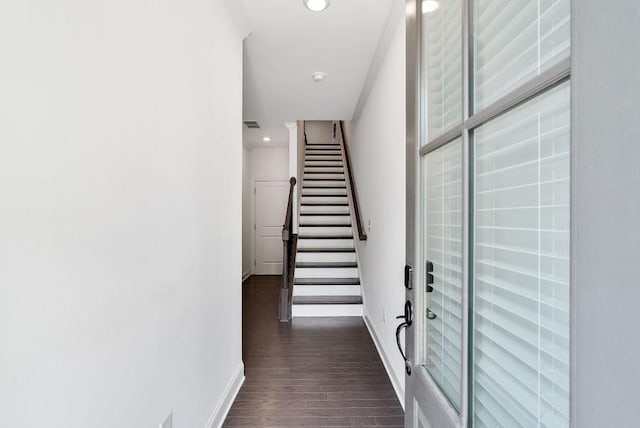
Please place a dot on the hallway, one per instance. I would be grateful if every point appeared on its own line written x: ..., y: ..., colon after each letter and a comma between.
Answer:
x: 312, y: 372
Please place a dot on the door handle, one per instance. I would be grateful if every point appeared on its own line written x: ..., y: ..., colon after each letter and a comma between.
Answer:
x: 408, y: 314
x: 408, y: 320
x: 431, y: 315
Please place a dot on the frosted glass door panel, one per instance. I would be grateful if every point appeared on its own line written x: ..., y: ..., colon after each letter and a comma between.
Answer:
x: 442, y: 246
x: 521, y: 266
x: 442, y: 65
x: 514, y: 41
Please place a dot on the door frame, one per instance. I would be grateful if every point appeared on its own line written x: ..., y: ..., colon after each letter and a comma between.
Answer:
x: 253, y: 234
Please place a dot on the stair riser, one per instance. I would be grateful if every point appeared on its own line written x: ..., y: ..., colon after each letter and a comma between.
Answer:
x: 328, y: 220
x: 325, y: 176
x: 326, y: 310
x: 337, y: 192
x: 319, y: 159
x: 326, y: 257
x: 321, y: 183
x: 323, y: 157
x: 314, y: 156
x: 324, y: 170
x: 325, y: 199
x: 317, y: 162
x: 325, y: 230
x: 340, y: 209
x: 323, y: 147
x: 325, y: 243
x: 326, y: 290
x: 326, y: 273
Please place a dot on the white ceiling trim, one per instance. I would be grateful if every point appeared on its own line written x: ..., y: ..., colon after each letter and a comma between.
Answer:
x: 396, y: 16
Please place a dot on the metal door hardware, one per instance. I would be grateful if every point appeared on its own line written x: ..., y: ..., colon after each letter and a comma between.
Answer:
x: 429, y: 276
x: 408, y: 320
x: 408, y: 277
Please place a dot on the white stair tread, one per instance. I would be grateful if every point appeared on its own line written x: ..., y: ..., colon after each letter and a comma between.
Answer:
x: 300, y: 311
x: 319, y: 257
x: 326, y: 243
x: 326, y: 290
x: 301, y: 273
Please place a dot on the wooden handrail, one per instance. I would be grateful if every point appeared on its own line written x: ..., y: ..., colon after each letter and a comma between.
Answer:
x: 289, y: 243
x: 354, y: 194
x: 289, y: 213
x: 304, y: 131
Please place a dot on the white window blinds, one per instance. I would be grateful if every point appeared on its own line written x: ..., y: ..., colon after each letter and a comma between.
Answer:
x: 515, y: 40
x: 521, y: 266
x: 443, y: 248
x: 442, y: 64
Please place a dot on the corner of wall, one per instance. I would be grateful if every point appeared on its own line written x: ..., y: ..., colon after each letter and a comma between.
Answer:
x: 396, y: 15
x: 398, y: 386
x: 237, y: 12
x: 226, y: 401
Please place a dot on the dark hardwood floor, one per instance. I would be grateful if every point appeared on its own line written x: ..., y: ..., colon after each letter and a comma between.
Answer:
x: 312, y: 372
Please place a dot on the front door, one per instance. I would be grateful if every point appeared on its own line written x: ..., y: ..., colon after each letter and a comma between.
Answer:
x: 487, y: 309
x: 270, y: 206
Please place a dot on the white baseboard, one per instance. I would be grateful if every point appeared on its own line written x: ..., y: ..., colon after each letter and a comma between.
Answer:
x: 386, y: 362
x: 224, y: 405
x: 246, y: 274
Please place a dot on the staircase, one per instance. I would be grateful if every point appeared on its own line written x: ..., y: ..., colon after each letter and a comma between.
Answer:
x: 326, y: 279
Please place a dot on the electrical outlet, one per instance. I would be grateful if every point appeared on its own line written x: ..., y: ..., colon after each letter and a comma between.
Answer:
x: 369, y: 226
x: 384, y: 314
x: 168, y: 421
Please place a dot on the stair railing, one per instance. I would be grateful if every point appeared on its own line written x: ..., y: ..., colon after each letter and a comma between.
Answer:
x: 352, y: 184
x: 289, y: 243
x: 304, y: 131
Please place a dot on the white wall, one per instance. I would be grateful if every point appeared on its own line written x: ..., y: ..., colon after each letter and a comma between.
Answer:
x: 120, y: 194
x: 300, y: 163
x: 292, y: 127
x: 377, y: 147
x: 605, y: 214
x: 270, y: 164
x: 265, y: 164
x: 247, y: 221
x: 319, y: 131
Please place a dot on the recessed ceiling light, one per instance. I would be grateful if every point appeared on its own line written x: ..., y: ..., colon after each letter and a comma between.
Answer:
x: 429, y: 6
x: 318, y: 76
x: 266, y: 139
x: 316, y: 5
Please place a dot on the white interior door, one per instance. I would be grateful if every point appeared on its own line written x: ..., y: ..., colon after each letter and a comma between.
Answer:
x: 270, y: 205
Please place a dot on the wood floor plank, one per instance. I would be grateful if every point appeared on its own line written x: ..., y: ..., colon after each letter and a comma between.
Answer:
x: 311, y: 372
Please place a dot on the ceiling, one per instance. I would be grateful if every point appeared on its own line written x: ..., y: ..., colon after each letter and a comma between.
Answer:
x: 288, y: 43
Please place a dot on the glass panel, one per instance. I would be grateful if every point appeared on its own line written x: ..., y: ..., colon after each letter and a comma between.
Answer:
x: 521, y: 266
x: 442, y: 246
x: 442, y: 67
x: 515, y: 41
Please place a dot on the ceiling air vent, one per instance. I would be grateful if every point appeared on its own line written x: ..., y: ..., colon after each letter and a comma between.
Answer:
x: 251, y: 124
